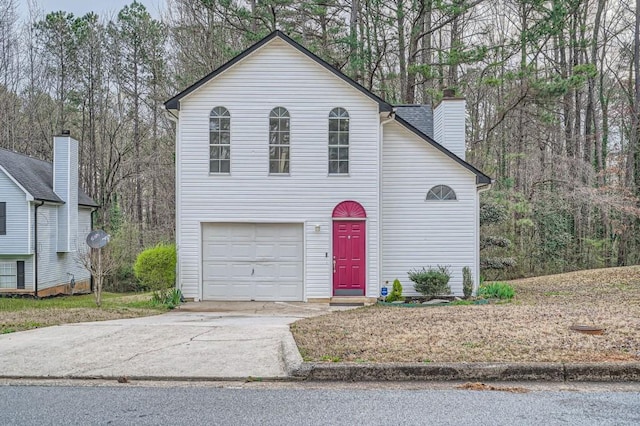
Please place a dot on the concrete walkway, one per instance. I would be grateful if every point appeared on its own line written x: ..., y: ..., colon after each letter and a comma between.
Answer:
x: 216, y: 341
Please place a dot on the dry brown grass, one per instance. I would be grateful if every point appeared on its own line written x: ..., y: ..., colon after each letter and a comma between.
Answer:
x: 535, y: 327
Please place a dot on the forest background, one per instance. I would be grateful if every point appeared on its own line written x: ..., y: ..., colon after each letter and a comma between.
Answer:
x: 552, y: 90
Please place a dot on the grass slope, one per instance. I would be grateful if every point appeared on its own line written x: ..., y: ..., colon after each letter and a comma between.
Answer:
x: 534, y: 327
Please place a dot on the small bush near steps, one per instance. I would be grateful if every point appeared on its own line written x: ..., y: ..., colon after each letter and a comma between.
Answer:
x: 171, y: 298
x: 432, y: 281
x: 496, y: 290
x: 396, y: 292
x: 467, y: 282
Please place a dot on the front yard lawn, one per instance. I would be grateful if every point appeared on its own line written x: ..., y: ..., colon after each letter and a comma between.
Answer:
x: 534, y: 327
x: 17, y: 314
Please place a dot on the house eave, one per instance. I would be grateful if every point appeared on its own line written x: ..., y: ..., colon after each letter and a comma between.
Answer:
x: 173, y: 104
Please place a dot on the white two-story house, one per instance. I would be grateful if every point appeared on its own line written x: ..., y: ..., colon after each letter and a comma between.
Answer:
x: 295, y: 183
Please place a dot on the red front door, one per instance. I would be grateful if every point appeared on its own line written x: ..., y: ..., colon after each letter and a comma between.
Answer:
x: 349, y: 258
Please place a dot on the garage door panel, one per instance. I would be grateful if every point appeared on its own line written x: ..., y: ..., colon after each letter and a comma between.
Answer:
x: 265, y: 251
x: 241, y: 290
x: 267, y: 231
x: 289, y: 271
x: 289, y: 252
x: 228, y: 251
x: 247, y: 261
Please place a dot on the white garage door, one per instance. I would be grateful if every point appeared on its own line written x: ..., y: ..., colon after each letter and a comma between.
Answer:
x: 252, y: 261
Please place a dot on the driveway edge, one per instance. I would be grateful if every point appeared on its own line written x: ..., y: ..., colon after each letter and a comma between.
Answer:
x: 548, y: 372
x: 291, y: 357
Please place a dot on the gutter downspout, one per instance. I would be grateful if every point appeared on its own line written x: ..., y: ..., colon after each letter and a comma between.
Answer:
x: 35, y: 249
x: 390, y: 117
x: 175, y: 119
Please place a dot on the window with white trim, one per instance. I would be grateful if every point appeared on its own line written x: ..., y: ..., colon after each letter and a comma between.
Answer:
x: 338, y: 141
x: 219, y: 140
x: 3, y: 218
x: 8, y: 275
x: 279, y: 141
x: 441, y: 193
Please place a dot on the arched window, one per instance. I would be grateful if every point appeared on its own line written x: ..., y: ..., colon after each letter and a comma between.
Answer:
x: 441, y: 193
x: 279, y: 139
x: 219, y: 140
x: 338, y: 141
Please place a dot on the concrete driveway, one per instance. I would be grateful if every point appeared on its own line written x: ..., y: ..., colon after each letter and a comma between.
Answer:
x: 206, y: 340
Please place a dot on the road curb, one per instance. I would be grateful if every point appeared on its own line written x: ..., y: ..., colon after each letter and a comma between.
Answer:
x: 548, y: 372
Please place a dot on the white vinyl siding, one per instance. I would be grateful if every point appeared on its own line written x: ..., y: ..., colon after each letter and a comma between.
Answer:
x: 55, y: 268
x: 449, y: 125
x: 65, y: 185
x: 16, y: 238
x: 276, y: 75
x: 419, y: 233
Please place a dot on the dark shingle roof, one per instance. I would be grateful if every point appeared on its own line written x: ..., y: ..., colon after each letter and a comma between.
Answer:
x: 419, y: 116
x: 36, y: 176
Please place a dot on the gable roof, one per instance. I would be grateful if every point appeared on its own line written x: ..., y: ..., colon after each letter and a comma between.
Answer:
x: 174, y: 103
x: 36, y: 176
x: 416, y: 118
x: 481, y: 178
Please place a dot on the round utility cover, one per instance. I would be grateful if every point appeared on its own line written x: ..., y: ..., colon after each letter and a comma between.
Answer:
x: 97, y: 239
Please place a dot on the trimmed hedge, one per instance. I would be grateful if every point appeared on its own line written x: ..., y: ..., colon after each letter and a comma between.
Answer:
x: 156, y: 267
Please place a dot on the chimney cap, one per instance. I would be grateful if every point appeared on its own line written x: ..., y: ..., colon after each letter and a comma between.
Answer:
x: 65, y: 133
x: 448, y: 93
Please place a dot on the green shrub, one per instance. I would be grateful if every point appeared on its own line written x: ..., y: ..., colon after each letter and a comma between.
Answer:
x: 432, y: 281
x: 169, y: 298
x: 467, y: 282
x: 497, y: 290
x: 396, y: 292
x: 156, y: 267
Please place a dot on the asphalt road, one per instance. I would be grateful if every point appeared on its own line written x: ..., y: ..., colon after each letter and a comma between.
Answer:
x: 297, y: 405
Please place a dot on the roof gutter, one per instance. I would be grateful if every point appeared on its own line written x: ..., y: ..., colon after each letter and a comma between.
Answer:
x: 35, y: 249
x: 171, y: 116
x: 485, y: 187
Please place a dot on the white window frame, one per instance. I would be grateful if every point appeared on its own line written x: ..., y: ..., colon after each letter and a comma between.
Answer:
x: 441, y: 193
x: 338, y: 142
x: 279, y: 141
x: 220, y: 145
x: 8, y: 269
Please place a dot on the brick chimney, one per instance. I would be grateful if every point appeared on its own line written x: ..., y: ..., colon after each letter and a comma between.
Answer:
x: 65, y: 185
x: 449, y: 123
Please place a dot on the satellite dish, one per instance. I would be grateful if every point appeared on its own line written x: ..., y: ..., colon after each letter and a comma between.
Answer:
x: 97, y: 239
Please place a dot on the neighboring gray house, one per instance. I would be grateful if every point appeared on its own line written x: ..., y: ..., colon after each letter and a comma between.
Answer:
x: 44, y: 217
x: 295, y: 183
